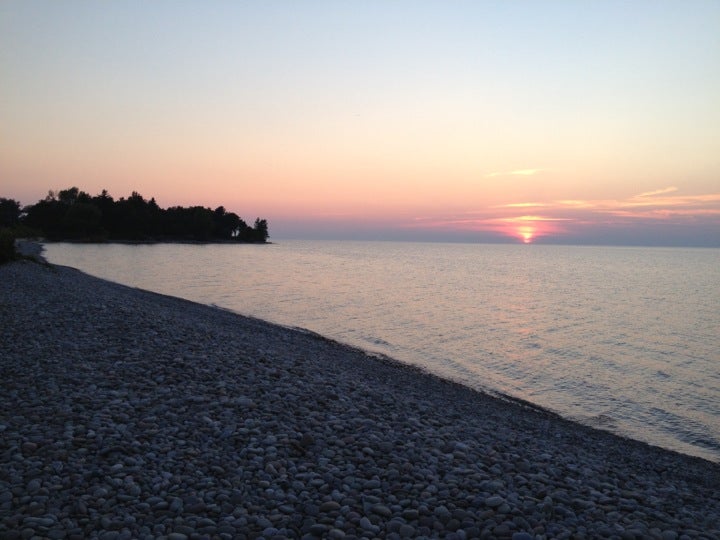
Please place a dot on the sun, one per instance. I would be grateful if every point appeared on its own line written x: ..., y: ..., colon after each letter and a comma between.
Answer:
x: 526, y: 233
x: 529, y: 229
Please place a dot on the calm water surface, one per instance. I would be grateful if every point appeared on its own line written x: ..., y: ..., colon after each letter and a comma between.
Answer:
x: 625, y: 339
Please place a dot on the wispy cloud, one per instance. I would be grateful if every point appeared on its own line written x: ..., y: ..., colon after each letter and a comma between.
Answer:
x: 574, y: 203
x: 518, y: 172
x: 658, y: 201
x: 522, y: 205
x: 665, y: 198
x: 535, y: 218
x: 652, y: 210
x: 690, y: 202
x: 658, y: 192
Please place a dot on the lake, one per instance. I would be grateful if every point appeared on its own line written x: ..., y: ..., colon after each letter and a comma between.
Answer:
x: 623, y: 339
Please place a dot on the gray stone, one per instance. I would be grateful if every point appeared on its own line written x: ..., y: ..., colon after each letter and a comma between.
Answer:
x: 319, y: 529
x: 367, y: 525
x: 329, y: 506
x: 494, y: 501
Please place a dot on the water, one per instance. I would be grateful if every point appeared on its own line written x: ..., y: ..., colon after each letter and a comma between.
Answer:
x: 624, y: 339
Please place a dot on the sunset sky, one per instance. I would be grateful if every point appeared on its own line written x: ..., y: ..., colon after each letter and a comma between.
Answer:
x: 537, y: 121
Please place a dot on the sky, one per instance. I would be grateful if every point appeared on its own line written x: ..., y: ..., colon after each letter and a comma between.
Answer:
x: 579, y: 122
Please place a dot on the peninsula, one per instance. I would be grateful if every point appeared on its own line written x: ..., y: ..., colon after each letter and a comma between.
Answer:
x: 72, y: 214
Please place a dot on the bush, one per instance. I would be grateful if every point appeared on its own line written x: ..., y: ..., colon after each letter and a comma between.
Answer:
x: 7, y: 246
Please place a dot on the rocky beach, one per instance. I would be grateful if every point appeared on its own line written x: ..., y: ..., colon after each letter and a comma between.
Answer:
x: 127, y: 414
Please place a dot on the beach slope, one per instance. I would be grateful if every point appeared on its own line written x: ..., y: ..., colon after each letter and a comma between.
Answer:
x: 128, y: 414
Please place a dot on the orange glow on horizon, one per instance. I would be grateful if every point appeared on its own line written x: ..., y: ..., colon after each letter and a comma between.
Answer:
x: 529, y: 228
x: 525, y: 228
x: 526, y: 233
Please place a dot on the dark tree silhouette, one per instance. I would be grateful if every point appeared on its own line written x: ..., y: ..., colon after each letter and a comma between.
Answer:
x: 9, y: 212
x: 226, y: 224
x: 260, y: 230
x: 46, y: 216
x: 9, y: 220
x: 82, y: 221
x: 74, y: 215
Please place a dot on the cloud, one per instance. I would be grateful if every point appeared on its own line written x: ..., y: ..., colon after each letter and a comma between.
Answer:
x: 659, y: 202
x: 674, y: 201
x: 658, y: 215
x: 518, y: 172
x: 535, y: 218
x: 574, y: 203
x: 657, y: 192
x: 522, y: 205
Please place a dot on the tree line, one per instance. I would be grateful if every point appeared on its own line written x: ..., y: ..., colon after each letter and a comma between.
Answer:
x: 72, y: 214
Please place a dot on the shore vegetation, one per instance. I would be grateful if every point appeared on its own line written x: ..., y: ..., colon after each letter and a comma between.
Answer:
x: 74, y: 215
x: 11, y: 228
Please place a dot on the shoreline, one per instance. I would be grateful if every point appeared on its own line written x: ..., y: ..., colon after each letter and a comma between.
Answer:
x: 145, y: 415
x: 493, y: 394
x: 157, y: 241
x: 685, y: 426
x: 30, y: 248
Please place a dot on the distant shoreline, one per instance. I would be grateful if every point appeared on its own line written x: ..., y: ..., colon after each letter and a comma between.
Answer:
x: 159, y: 241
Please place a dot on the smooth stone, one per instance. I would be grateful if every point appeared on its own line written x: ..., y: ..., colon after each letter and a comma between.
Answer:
x: 329, y: 506
x: 494, y: 501
x: 34, y: 485
x: 319, y: 529
x: 367, y: 525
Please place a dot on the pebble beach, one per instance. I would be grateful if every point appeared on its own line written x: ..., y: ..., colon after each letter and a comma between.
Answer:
x: 128, y: 414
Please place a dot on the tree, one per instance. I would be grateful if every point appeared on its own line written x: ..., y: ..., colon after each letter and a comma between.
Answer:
x: 202, y: 223
x: 133, y: 218
x: 46, y: 216
x: 82, y: 221
x: 68, y: 196
x: 227, y: 225
x: 260, y: 230
x: 9, y: 212
x: 9, y: 219
x: 73, y: 214
x: 234, y: 224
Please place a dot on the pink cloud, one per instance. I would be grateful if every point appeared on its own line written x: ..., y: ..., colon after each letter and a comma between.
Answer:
x: 568, y: 216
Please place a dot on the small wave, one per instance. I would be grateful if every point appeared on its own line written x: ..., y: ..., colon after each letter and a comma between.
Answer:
x: 376, y: 341
x: 602, y: 421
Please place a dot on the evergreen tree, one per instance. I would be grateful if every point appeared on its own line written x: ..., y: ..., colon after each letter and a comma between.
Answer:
x: 73, y: 214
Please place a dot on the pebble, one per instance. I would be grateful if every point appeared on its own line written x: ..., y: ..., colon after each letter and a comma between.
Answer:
x: 127, y: 414
x: 329, y: 506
